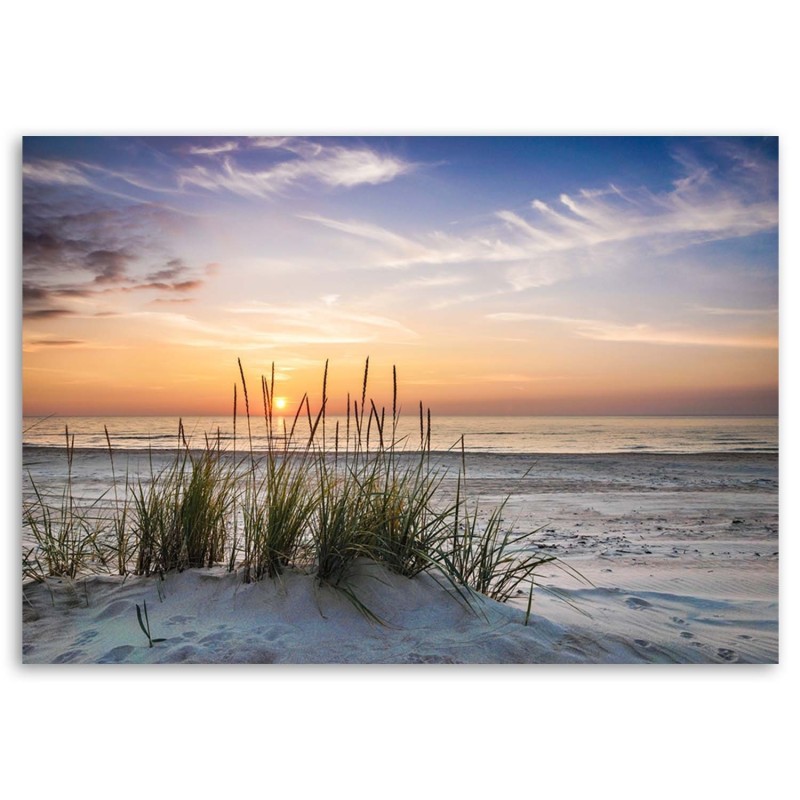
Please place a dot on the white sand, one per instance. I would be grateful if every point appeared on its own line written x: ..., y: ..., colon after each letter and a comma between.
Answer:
x: 682, y: 553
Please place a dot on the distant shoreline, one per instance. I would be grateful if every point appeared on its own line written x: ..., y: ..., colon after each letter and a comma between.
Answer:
x: 245, y: 450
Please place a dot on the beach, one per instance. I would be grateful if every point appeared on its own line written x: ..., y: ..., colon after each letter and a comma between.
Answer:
x: 677, y: 556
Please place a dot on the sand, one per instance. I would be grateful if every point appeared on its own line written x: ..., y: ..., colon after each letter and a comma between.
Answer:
x: 680, y: 554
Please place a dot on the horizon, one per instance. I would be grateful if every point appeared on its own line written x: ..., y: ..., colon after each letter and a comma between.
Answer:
x: 342, y: 416
x: 503, y: 276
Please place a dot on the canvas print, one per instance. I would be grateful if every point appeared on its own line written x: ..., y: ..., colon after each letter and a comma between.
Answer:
x: 406, y: 400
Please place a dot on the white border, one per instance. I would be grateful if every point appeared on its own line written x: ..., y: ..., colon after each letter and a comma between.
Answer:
x: 412, y: 68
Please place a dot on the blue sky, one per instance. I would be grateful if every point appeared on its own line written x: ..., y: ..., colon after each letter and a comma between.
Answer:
x: 501, y: 274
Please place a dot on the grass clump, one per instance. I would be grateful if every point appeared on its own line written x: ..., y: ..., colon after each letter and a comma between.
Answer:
x: 123, y: 540
x: 406, y: 527
x: 205, y: 493
x: 65, y: 539
x: 180, y: 517
x: 307, y: 501
x: 152, y: 521
x: 277, y: 511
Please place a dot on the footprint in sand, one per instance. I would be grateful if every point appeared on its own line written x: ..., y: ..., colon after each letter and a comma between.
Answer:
x: 726, y: 654
x: 85, y: 638
x: 429, y: 658
x: 687, y: 635
x: 115, y: 609
x: 214, y: 638
x: 187, y: 654
x: 743, y: 636
x: 637, y: 603
x: 117, y: 655
x: 678, y: 621
x: 68, y: 657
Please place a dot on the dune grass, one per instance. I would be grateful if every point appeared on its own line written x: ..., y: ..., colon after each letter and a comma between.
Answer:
x: 64, y: 535
x: 311, y: 502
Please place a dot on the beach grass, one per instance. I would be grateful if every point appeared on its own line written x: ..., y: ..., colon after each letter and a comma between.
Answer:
x: 63, y: 530
x: 310, y: 501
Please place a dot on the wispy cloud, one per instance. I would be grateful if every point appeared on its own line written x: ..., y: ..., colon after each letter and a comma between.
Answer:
x: 213, y: 149
x: 55, y: 342
x: 260, y: 326
x: 434, y: 248
x: 47, y: 313
x: 35, y: 343
x: 644, y: 333
x: 541, y: 242
x: 94, y: 179
x: 307, y: 163
x: 54, y: 172
x: 736, y: 312
x: 434, y: 282
x: 410, y: 250
x: 325, y: 321
x: 701, y: 206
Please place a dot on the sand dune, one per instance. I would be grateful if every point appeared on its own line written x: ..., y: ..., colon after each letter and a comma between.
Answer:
x: 680, y: 554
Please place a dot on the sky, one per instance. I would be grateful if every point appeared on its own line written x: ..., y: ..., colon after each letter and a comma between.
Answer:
x: 500, y: 275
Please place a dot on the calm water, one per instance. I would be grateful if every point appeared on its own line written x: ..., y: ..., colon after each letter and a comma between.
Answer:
x: 481, y: 434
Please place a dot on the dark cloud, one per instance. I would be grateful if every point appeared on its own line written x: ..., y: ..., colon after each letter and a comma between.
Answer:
x: 44, y: 246
x: 110, y: 265
x: 46, y: 313
x: 76, y: 252
x: 33, y: 293
x: 174, y: 269
x: 180, y: 286
x: 171, y: 300
x: 56, y: 342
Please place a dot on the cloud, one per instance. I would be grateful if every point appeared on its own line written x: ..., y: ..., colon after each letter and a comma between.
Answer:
x: 433, y: 248
x: 46, y: 313
x: 534, y: 276
x: 173, y: 269
x: 643, y: 333
x: 260, y: 326
x: 467, y: 297
x: 282, y: 142
x: 177, y: 286
x: 737, y: 312
x: 323, y: 321
x: 213, y: 149
x: 55, y: 342
x: 547, y: 242
x: 406, y: 250
x: 53, y: 175
x: 54, y: 172
x: 110, y: 265
x: 697, y: 210
x: 74, y: 250
x: 168, y: 301
x: 309, y: 163
x: 434, y: 282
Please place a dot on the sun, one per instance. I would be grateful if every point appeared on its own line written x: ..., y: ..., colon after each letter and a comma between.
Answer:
x: 280, y: 403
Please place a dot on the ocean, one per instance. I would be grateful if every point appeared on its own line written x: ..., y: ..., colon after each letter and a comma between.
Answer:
x: 484, y: 434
